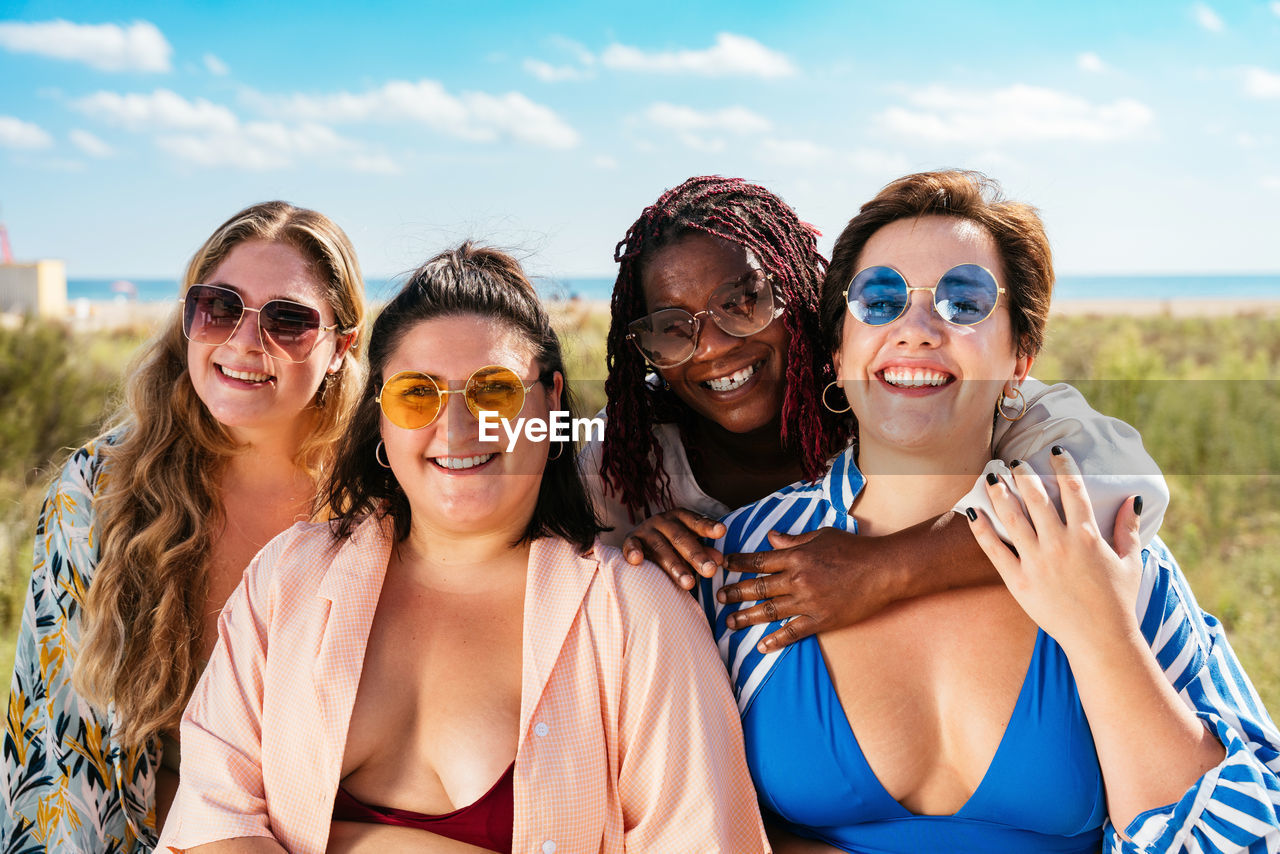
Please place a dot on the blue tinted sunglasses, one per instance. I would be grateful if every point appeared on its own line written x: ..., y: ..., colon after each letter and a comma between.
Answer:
x: 964, y: 295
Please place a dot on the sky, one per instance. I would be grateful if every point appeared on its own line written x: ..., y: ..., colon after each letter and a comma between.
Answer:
x: 1147, y: 133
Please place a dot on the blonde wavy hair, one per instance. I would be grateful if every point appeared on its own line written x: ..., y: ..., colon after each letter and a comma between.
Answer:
x: 159, y: 504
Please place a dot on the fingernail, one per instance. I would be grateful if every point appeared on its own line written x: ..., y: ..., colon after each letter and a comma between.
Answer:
x: 1056, y: 450
x: 721, y: 598
x: 1137, y: 505
x: 709, y: 567
x: 992, y: 479
x: 971, y: 513
x: 1015, y: 464
x: 732, y: 622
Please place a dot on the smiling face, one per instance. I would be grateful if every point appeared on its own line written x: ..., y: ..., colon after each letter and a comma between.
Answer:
x: 921, y: 384
x: 246, y: 390
x: 453, y: 480
x: 737, y: 383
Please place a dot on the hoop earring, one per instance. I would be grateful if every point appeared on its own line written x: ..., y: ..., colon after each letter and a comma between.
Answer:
x: 827, y: 406
x: 380, y: 452
x: 1000, y: 406
x: 559, y: 451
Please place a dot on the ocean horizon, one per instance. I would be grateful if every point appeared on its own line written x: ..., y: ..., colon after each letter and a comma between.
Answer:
x: 1100, y: 287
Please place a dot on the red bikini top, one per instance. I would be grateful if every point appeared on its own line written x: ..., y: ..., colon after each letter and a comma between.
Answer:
x: 488, y: 823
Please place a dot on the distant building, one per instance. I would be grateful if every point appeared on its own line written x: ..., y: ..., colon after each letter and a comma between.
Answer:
x: 38, y: 288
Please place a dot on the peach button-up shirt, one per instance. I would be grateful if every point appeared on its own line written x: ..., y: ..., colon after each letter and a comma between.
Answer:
x: 629, y: 737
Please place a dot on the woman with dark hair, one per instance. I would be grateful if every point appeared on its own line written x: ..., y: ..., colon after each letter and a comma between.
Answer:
x: 718, y: 394
x: 230, y: 419
x: 1086, y: 703
x: 454, y: 662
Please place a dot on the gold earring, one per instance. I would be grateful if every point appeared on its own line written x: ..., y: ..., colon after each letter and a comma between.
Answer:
x: 380, y: 452
x: 1000, y: 406
x: 827, y: 405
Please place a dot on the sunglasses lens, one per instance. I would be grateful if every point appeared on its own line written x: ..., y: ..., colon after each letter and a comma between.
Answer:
x: 744, y: 307
x: 289, y: 329
x: 410, y: 400
x: 666, y: 338
x: 210, y: 314
x: 966, y: 294
x: 877, y: 295
x: 495, y: 389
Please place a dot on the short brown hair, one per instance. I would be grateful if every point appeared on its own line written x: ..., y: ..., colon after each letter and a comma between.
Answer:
x: 1015, y: 227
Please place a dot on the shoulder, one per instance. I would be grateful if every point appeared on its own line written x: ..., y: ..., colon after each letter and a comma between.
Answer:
x: 647, y: 598
x: 298, y: 557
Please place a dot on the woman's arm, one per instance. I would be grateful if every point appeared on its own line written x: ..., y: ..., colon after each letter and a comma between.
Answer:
x: 54, y: 799
x: 682, y: 772
x: 829, y: 580
x: 1189, y: 757
x: 221, y: 796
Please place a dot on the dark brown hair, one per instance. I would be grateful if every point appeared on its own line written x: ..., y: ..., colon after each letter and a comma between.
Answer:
x: 463, y: 281
x: 1015, y: 227
x: 751, y: 216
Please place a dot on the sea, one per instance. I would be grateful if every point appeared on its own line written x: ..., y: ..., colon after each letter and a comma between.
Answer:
x: 1145, y: 287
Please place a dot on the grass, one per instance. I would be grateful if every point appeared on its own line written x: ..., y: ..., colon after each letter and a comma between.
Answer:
x: 1205, y: 394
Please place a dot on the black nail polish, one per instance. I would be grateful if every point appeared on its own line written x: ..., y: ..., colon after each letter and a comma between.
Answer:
x: 971, y: 513
x: 1057, y: 450
x: 991, y: 478
x: 1015, y: 464
x: 1137, y: 505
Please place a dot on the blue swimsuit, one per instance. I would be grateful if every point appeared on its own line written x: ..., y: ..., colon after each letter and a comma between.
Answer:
x: 1042, y: 793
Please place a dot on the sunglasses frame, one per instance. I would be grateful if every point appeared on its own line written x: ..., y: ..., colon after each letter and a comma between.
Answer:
x: 263, y: 335
x: 933, y: 293
x: 780, y: 306
x: 445, y: 392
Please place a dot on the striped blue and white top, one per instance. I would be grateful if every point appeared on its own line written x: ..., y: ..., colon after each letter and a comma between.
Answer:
x: 1233, y: 807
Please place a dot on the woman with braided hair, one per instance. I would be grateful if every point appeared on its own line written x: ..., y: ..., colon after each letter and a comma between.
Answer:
x: 718, y: 394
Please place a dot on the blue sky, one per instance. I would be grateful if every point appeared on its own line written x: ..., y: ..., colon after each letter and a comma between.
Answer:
x: 1147, y: 133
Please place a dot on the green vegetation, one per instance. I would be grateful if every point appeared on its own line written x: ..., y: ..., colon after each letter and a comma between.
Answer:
x: 1203, y: 393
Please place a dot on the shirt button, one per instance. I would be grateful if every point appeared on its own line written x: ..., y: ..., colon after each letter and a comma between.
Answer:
x: 540, y: 729
x: 548, y: 847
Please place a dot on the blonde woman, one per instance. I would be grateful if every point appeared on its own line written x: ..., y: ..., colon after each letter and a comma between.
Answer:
x: 230, y: 416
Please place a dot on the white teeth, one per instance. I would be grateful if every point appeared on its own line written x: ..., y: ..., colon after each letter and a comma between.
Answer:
x: 734, y: 380
x: 914, y: 378
x: 247, y: 376
x: 457, y: 463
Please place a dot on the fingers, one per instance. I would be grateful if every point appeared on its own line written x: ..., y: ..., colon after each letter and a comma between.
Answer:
x: 1005, y: 561
x: 1076, y: 507
x: 797, y: 629
x: 780, y: 540
x: 1039, y: 507
x: 673, y: 540
x: 1022, y: 534
x: 751, y: 589
x: 767, y: 611
x: 1127, y: 533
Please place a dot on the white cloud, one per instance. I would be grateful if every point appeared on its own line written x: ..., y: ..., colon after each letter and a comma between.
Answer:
x: 704, y: 131
x: 736, y: 120
x: 15, y: 133
x: 1275, y: 8
x: 90, y: 144
x: 207, y: 134
x: 106, y: 47
x: 1261, y: 83
x: 803, y: 153
x: 548, y: 73
x: 1271, y: 182
x: 1090, y: 62
x: 578, y: 51
x: 476, y: 116
x: 1016, y: 113
x: 1207, y: 18
x: 215, y: 66
x: 604, y: 161
x: 730, y: 55
x: 161, y: 110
